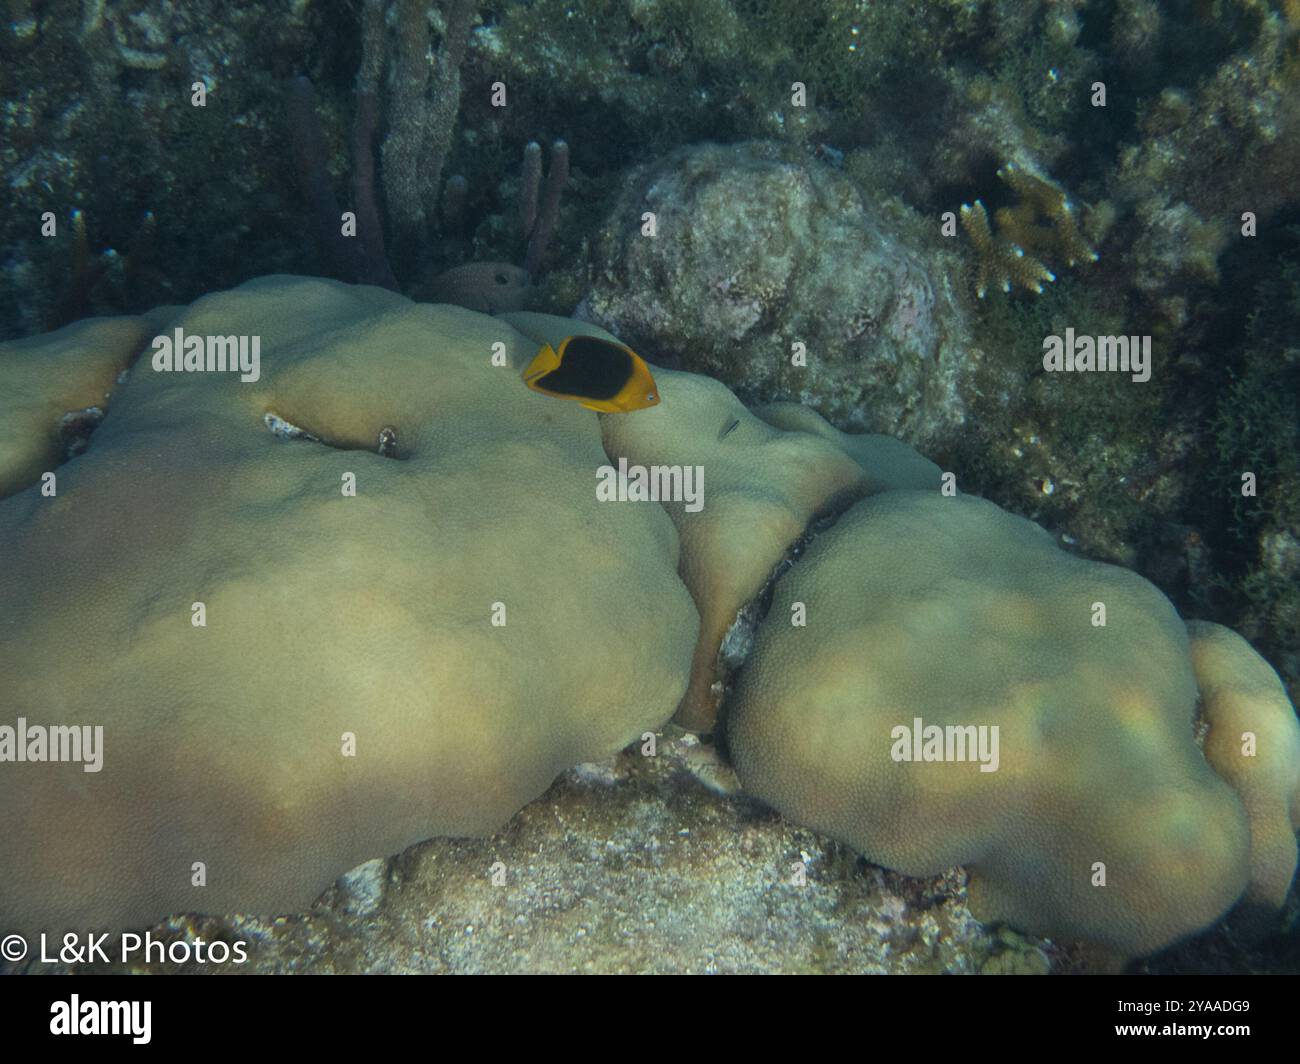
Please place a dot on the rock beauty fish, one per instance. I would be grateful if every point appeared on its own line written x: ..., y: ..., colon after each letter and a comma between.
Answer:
x: 600, y: 374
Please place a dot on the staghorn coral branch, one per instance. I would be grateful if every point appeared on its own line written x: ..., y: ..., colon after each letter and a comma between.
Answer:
x: 1001, y: 264
x: 1040, y: 229
x: 1041, y: 199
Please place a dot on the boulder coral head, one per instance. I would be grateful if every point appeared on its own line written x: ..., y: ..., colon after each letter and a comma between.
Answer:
x: 964, y: 692
x: 293, y: 677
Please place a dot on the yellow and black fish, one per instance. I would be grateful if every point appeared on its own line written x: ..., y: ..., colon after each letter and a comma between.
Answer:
x: 600, y: 374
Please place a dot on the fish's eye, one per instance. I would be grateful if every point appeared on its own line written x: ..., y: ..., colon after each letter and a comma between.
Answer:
x: 501, y: 278
x: 650, y: 397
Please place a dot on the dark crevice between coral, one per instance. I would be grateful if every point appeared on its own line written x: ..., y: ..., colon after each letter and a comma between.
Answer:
x: 738, y: 642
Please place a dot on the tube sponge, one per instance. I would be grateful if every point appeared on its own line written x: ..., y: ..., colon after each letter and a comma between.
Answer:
x: 1102, y: 820
x: 326, y: 616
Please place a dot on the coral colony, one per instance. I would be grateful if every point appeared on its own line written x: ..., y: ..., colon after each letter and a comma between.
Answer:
x: 712, y: 438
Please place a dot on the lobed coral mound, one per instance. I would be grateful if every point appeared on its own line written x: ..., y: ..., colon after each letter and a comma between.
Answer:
x: 424, y: 656
x: 1101, y: 819
x: 766, y: 476
x: 326, y: 615
x: 1253, y: 742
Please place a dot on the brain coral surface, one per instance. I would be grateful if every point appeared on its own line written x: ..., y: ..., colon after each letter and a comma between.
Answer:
x: 327, y: 615
x: 1102, y: 820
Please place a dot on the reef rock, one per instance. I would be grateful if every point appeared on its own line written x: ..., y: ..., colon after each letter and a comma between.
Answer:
x: 753, y: 254
x: 623, y: 866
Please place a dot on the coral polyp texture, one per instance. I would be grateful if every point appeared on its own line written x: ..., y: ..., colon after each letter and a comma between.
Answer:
x: 1101, y: 818
x: 329, y: 619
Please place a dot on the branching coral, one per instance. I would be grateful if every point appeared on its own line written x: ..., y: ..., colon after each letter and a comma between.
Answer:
x: 1001, y: 262
x: 1041, y: 228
